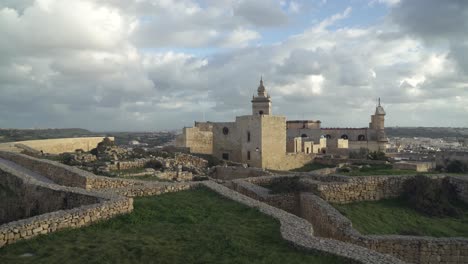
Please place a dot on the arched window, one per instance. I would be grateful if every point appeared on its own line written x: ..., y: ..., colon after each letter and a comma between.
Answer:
x: 361, y: 138
x: 304, y: 136
x: 261, y: 112
x: 225, y: 130
x: 327, y: 136
x: 344, y: 136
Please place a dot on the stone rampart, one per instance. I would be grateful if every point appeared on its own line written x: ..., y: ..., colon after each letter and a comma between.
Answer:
x: 76, y: 207
x: 288, y: 201
x: 74, y: 177
x: 300, y: 232
x: 330, y: 223
x: 368, y: 188
x: 61, y: 145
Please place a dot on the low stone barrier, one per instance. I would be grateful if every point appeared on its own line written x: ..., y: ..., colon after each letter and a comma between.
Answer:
x: 74, y: 177
x: 78, y: 208
x: 336, y: 161
x: 231, y: 172
x: 300, y: 232
x: 330, y: 223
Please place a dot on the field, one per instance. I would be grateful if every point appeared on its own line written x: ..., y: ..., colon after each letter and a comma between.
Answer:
x: 394, y: 216
x: 196, y: 226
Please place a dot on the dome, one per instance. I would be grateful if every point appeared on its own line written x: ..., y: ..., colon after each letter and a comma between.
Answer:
x: 379, y: 109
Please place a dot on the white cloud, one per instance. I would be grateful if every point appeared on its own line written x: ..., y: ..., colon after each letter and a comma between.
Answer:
x: 120, y: 64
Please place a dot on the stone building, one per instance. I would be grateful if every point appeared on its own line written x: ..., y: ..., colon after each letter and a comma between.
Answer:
x: 268, y: 141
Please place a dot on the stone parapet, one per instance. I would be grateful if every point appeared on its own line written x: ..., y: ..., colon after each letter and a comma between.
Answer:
x: 300, y: 232
x: 330, y: 223
x: 78, y: 207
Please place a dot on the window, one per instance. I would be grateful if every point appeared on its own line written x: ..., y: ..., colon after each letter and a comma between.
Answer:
x: 304, y: 135
x: 261, y: 112
x: 328, y: 136
x: 344, y: 136
x: 248, y: 155
x: 225, y: 130
x: 361, y: 138
x: 308, y: 150
x: 225, y: 156
x: 248, y: 136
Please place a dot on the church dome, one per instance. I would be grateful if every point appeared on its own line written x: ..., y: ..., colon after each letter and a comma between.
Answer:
x: 379, y: 109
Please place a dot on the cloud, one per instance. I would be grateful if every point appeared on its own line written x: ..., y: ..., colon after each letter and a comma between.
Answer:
x: 142, y: 65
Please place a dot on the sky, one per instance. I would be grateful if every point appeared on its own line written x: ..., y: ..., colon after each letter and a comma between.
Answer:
x: 146, y: 65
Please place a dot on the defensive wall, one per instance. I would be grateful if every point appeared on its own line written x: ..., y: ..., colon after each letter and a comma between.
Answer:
x: 314, y: 206
x: 300, y: 233
x: 60, y: 145
x: 44, y: 208
x: 73, y: 177
x: 236, y: 172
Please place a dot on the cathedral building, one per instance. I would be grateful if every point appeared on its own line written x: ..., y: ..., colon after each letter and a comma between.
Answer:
x: 268, y: 141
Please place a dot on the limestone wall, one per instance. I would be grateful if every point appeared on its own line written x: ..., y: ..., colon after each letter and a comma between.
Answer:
x: 231, y: 173
x: 199, y: 141
x: 288, y: 202
x: 76, y: 207
x: 195, y: 161
x: 294, y: 160
x: 328, y: 222
x: 57, y: 146
x: 297, y: 230
x: 74, y: 177
x: 415, y: 166
x: 19, y: 199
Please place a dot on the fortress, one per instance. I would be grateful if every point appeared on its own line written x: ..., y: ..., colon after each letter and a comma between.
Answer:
x: 268, y: 141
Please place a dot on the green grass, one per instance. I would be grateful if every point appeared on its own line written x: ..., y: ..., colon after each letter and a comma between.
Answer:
x: 311, y: 167
x: 196, y: 226
x: 394, y: 216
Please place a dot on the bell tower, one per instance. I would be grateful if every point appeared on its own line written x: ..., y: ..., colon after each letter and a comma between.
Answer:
x: 261, y: 104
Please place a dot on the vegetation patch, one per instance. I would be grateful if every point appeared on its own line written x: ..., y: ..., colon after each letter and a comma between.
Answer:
x: 285, y: 185
x: 196, y: 226
x: 426, y: 207
x: 431, y: 196
x: 375, y: 169
x: 396, y: 216
x: 312, y: 166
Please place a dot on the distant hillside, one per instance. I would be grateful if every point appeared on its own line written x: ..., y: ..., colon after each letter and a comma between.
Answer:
x: 429, y: 132
x: 9, y: 135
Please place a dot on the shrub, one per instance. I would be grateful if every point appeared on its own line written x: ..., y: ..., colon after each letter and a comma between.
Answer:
x: 456, y: 166
x: 377, y: 155
x: 431, y: 197
x: 361, y: 154
x: 286, y: 185
x: 154, y: 164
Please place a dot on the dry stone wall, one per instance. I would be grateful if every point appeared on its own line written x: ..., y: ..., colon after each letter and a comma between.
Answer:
x: 237, y: 172
x: 73, y: 207
x: 369, y: 188
x: 328, y: 222
x: 300, y: 232
x: 19, y: 199
x: 61, y: 145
